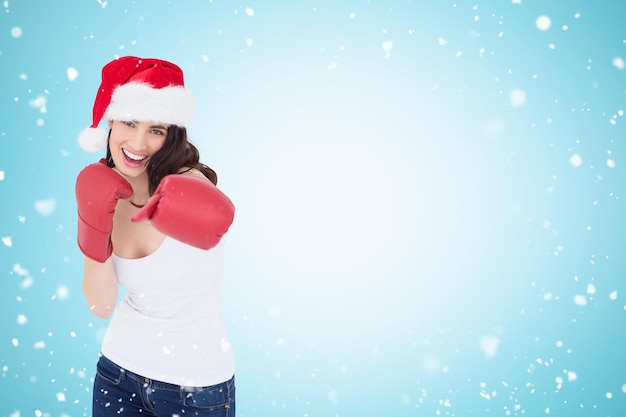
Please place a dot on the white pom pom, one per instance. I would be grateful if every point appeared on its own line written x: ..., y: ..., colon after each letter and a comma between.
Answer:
x: 93, y: 139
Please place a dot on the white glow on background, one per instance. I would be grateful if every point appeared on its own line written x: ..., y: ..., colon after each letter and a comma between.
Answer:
x: 358, y: 195
x: 335, y: 207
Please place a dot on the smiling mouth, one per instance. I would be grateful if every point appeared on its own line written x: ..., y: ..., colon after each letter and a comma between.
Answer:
x: 133, y: 157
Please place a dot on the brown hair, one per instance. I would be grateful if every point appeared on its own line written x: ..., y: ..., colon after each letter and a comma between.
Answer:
x: 177, y: 153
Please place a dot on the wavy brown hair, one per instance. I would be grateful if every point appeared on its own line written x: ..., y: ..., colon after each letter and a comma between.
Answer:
x: 176, y: 154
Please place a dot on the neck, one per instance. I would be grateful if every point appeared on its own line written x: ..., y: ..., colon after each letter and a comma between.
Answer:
x: 141, y: 192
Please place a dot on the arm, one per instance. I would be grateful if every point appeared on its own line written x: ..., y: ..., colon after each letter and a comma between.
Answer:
x: 190, y: 209
x: 100, y: 287
x: 98, y: 189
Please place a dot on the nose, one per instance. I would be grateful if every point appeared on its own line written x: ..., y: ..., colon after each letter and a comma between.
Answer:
x: 139, y: 139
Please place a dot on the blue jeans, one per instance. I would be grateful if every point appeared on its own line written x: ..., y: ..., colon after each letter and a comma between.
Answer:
x: 118, y: 392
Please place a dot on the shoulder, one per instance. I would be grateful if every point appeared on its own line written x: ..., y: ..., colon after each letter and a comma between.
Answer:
x: 200, y: 170
x: 192, y: 172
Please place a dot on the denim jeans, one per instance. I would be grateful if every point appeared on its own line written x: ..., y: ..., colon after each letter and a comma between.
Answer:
x: 118, y: 392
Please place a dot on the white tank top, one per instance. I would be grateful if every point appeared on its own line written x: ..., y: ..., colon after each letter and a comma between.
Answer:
x: 169, y: 325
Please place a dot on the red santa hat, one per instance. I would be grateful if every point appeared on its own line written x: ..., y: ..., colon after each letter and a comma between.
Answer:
x: 139, y: 89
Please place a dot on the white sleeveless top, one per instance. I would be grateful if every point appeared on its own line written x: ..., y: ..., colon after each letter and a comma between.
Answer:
x: 169, y: 325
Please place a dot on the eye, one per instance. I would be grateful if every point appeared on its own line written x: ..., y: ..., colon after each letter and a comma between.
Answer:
x: 158, y: 132
x: 128, y: 123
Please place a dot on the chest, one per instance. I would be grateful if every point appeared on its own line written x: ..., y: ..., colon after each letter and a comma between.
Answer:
x: 132, y: 240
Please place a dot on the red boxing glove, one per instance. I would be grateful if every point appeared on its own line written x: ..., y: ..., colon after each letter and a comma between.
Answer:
x: 98, y: 188
x: 189, y: 209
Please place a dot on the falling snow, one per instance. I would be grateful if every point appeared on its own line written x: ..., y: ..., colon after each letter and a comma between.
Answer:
x: 580, y: 300
x: 575, y: 160
x: 72, y: 74
x: 429, y: 194
x: 517, y: 97
x: 45, y: 207
x: 543, y: 23
x: 16, y: 32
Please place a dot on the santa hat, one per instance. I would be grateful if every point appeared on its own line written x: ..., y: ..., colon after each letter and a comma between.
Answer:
x: 139, y: 89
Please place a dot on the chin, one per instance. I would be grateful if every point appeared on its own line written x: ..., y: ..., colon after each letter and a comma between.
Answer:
x: 133, y: 172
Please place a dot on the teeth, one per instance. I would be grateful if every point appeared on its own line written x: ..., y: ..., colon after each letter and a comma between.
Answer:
x: 133, y: 156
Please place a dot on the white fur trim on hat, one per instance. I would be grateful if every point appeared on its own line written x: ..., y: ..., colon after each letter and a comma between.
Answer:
x: 93, y: 139
x: 173, y: 105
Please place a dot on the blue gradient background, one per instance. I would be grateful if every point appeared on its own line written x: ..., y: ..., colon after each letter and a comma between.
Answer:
x: 413, y: 235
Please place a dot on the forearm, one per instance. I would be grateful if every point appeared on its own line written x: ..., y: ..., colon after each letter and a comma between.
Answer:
x: 100, y: 287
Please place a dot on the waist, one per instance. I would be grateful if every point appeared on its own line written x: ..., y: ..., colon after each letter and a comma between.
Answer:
x: 154, y: 383
x: 188, y: 353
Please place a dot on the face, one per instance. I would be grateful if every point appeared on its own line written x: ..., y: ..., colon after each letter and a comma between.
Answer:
x: 132, y: 144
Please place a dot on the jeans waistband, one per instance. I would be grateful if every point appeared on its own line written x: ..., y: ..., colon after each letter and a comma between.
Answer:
x: 148, y: 381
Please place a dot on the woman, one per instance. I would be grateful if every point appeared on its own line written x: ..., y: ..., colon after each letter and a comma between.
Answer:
x: 151, y: 219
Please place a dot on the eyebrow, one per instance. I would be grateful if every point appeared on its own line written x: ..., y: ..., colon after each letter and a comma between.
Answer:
x: 165, y: 127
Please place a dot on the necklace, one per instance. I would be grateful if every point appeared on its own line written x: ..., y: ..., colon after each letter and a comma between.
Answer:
x: 136, y: 205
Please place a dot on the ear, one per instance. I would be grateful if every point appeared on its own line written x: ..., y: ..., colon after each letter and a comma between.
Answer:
x: 110, y: 123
